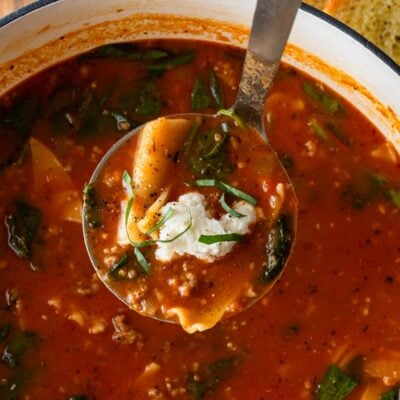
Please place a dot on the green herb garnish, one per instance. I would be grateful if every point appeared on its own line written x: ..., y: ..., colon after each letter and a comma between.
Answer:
x: 229, y: 209
x: 209, y: 377
x: 118, y: 265
x: 216, y: 90
x: 207, y: 152
x: 17, y: 348
x: 91, y: 205
x: 227, y: 188
x: 149, y: 100
x: 319, y: 130
x: 225, y: 237
x: 22, y: 228
x: 336, y: 385
x: 327, y: 101
x: 171, y: 62
x: 160, y: 223
x: 141, y: 259
x: 125, y: 52
x: 278, y: 247
x: 127, y: 181
x: 231, y: 114
x: 391, y: 394
x: 200, y: 97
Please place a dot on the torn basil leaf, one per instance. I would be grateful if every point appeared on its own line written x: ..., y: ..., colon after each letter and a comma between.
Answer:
x: 149, y: 100
x: 216, y: 90
x: 171, y: 62
x: 200, y: 96
x: 336, y: 385
x: 22, y: 228
x: 127, y: 52
x: 330, y: 103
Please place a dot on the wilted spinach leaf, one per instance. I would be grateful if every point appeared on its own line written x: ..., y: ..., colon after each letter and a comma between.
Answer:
x: 207, y: 153
x: 16, y: 349
x: 149, y: 100
x: 22, y: 227
x: 278, y: 247
x: 200, y: 96
x: 210, y: 377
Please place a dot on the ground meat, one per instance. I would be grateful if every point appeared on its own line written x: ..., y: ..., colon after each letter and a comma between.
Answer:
x: 123, y: 332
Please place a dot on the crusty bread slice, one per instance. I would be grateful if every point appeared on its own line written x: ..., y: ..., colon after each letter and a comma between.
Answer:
x: 316, y: 3
x: 377, y: 20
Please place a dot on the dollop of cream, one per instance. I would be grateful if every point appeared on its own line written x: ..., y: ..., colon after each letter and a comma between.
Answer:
x: 203, y: 223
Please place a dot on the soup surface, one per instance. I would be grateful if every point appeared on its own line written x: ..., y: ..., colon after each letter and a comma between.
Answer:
x: 330, y: 327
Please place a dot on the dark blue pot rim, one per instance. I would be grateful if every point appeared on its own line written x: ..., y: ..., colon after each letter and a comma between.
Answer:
x: 305, y: 7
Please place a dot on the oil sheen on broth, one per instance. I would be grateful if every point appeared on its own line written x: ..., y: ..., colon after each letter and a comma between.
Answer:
x: 329, y: 329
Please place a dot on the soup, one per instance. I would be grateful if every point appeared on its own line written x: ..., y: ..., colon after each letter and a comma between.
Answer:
x: 166, y: 241
x: 329, y: 329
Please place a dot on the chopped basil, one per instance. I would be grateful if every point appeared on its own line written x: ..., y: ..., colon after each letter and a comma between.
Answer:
x: 127, y: 181
x: 318, y: 129
x: 336, y: 385
x: 171, y: 62
x: 207, y: 379
x: 231, y: 114
x: 216, y: 90
x: 113, y: 271
x: 92, y: 206
x: 366, y: 188
x: 22, y: 228
x: 327, y: 101
x: 227, y: 188
x: 16, y: 124
x: 278, y: 247
x: 225, y: 237
x: 228, y: 209
x: 200, y: 97
x: 91, y: 117
x: 149, y: 100
x: 160, y: 223
x: 394, y: 197
x: 393, y: 394
x: 16, y: 349
x: 207, y: 152
x: 338, y: 134
x: 127, y: 52
x: 142, y: 260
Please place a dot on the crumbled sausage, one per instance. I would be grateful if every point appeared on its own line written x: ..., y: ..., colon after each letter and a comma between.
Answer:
x: 123, y: 332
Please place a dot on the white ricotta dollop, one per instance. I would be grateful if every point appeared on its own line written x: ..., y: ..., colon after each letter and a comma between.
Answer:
x: 202, y: 224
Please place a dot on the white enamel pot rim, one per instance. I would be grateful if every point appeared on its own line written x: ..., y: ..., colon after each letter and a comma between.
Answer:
x: 315, y: 33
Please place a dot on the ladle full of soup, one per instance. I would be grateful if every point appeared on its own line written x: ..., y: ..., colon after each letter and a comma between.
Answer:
x: 191, y: 218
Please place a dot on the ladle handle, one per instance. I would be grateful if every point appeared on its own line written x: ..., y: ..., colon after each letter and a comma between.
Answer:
x: 272, y: 22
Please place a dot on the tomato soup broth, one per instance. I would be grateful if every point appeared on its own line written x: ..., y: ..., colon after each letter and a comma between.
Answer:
x: 329, y: 328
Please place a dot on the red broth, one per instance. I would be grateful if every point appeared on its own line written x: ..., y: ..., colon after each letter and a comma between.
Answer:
x: 63, y: 335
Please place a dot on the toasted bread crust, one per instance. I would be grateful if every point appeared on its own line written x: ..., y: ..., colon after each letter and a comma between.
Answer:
x: 377, y: 20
